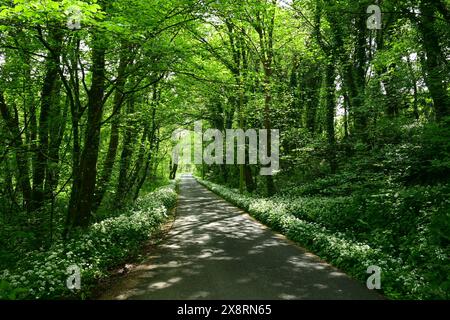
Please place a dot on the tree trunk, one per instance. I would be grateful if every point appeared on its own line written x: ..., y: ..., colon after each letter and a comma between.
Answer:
x: 267, y: 122
x: 56, y: 130
x: 108, y: 163
x: 249, y: 178
x: 152, y: 137
x: 80, y: 208
x: 47, y: 100
x: 125, y: 157
x: 23, y: 178
x: 435, y: 62
x: 330, y: 113
x: 140, y: 161
x: 415, y: 90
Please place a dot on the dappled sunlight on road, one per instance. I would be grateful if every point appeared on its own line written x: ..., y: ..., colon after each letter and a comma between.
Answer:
x: 216, y: 251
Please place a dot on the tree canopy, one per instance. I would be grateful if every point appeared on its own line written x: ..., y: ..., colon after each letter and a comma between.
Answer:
x: 91, y: 92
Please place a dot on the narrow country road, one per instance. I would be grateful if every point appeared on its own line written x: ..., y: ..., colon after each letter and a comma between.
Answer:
x: 216, y: 251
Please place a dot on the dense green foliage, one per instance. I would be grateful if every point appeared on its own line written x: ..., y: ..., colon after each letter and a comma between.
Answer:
x: 104, y: 245
x: 91, y: 92
x: 413, y: 260
x: 364, y: 123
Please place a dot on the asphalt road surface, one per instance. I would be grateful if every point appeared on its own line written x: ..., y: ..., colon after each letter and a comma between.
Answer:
x: 216, y: 251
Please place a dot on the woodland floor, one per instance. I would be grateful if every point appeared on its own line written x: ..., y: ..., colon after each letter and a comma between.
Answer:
x: 216, y: 251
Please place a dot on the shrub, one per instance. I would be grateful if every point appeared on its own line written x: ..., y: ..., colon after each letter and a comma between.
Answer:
x: 353, y: 234
x: 105, y: 244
